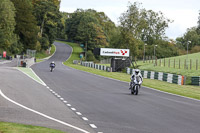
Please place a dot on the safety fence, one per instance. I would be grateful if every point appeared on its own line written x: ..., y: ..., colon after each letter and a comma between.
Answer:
x: 196, y: 80
x: 170, y: 78
x: 167, y: 77
x: 96, y: 66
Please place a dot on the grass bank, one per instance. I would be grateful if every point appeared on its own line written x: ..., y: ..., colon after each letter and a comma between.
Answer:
x: 176, y: 65
x: 20, y: 128
x: 186, y: 90
x: 40, y: 56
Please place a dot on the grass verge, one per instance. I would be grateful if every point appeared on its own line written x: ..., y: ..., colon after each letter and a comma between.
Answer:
x: 20, y: 128
x: 30, y: 73
x: 186, y: 90
x: 43, y: 54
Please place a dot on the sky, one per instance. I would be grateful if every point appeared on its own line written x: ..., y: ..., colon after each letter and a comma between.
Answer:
x: 184, y: 13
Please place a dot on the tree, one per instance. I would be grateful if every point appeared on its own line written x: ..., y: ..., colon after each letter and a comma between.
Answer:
x: 48, y: 17
x: 84, y: 27
x: 139, y: 26
x: 198, y: 26
x: 7, y: 24
x: 191, y: 35
x: 26, y: 27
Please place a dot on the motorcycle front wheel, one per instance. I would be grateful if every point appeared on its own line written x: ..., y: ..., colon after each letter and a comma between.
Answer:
x: 136, y: 90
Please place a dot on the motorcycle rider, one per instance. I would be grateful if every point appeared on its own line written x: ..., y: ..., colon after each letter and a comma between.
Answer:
x: 136, y: 73
x: 52, y: 64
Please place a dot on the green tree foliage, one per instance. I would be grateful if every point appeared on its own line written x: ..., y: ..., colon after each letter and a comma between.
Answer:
x: 7, y: 24
x: 48, y: 18
x: 139, y: 26
x: 26, y: 27
x: 89, y: 26
x: 198, y: 26
x: 191, y: 35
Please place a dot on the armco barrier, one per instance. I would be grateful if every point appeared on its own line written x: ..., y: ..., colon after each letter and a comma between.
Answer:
x: 170, y: 78
x: 196, y: 80
x: 96, y: 66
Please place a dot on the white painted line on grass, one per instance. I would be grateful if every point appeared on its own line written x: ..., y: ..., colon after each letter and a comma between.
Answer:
x: 85, y: 119
x: 93, y: 126
x: 41, y: 114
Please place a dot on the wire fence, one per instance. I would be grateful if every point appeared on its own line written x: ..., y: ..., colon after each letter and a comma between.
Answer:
x: 178, y: 63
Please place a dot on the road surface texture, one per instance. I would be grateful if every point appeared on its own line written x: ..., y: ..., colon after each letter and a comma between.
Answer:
x: 20, y: 88
x: 108, y: 104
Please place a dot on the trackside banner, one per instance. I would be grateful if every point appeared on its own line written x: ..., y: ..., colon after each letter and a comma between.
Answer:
x: 114, y: 52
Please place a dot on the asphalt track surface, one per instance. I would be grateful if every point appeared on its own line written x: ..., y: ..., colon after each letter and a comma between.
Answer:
x: 106, y: 103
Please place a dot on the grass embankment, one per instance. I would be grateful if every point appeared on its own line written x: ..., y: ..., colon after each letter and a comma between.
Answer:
x: 20, y: 128
x: 176, y: 65
x: 186, y: 90
x: 41, y: 55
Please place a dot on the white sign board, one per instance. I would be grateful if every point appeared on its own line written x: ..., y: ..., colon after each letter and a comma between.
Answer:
x: 114, y: 52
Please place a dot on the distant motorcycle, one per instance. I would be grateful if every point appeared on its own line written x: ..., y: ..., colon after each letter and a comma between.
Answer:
x: 135, y: 85
x: 51, y: 68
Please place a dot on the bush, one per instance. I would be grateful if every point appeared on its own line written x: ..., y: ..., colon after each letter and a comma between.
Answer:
x: 90, y: 56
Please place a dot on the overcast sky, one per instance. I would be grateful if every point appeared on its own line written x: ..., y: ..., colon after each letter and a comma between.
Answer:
x: 184, y: 12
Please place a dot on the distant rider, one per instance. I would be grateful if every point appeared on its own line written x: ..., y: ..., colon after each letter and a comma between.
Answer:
x: 136, y: 73
x: 52, y: 64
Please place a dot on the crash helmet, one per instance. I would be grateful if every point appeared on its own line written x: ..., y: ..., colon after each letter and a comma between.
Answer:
x: 137, y: 71
x: 53, y: 62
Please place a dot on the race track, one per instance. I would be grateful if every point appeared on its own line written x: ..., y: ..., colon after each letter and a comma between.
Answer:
x: 108, y: 104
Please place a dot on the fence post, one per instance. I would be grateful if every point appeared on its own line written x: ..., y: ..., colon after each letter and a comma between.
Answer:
x: 149, y: 59
x: 174, y: 63
x: 185, y: 64
x: 160, y: 62
x: 179, y: 63
x: 164, y: 62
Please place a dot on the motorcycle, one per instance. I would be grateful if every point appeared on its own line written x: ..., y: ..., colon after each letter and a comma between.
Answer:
x: 52, y: 68
x: 135, y: 85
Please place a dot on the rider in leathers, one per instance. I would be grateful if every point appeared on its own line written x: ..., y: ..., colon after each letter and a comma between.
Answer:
x: 137, y: 72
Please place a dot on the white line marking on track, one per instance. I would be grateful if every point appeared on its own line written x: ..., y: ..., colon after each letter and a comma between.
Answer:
x: 84, y: 118
x: 65, y: 101
x: 93, y: 126
x: 48, y: 87
x: 41, y: 114
x: 38, y: 78
x: 73, y: 109
x: 61, y: 99
x: 78, y: 113
x: 69, y: 105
